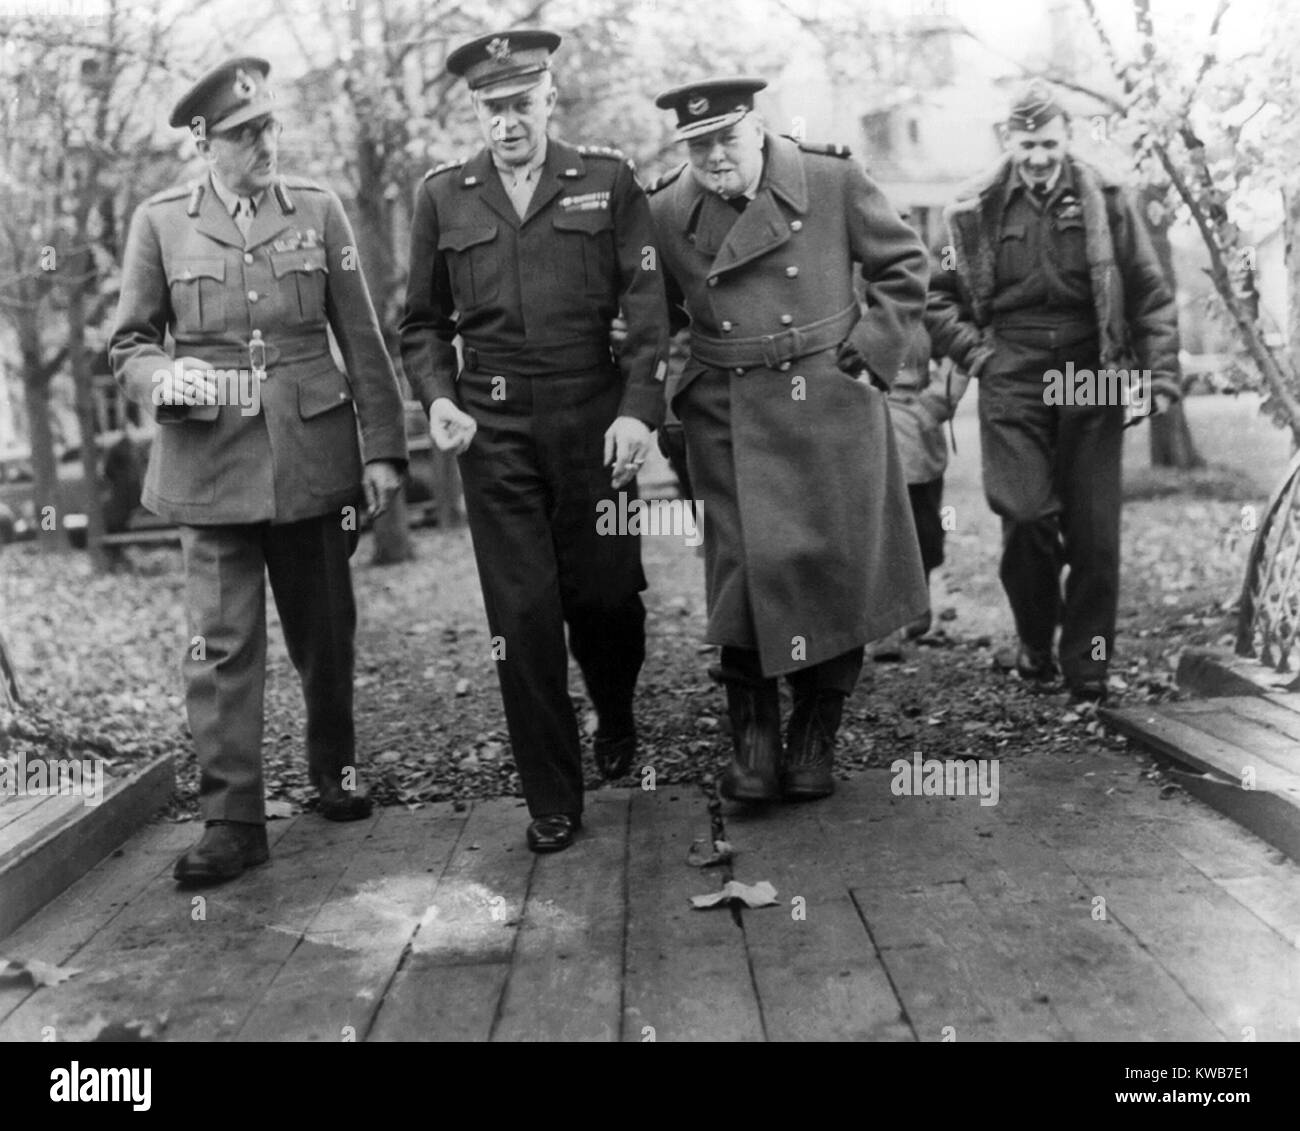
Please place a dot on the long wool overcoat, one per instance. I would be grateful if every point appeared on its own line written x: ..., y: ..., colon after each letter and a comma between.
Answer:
x: 809, y: 542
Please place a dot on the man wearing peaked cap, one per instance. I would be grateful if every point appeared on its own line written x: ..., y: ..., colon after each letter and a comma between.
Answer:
x: 809, y: 545
x: 527, y: 252
x: 257, y: 455
x: 1052, y: 272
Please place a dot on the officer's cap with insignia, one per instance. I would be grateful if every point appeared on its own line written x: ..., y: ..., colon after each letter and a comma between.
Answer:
x: 713, y: 104
x: 1034, y: 107
x: 504, y: 63
x: 226, y: 97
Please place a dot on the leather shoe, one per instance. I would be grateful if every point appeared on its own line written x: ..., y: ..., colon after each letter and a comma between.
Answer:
x: 224, y: 851
x: 1033, y: 664
x: 553, y: 833
x: 335, y: 803
x: 1089, y: 691
x: 614, y: 755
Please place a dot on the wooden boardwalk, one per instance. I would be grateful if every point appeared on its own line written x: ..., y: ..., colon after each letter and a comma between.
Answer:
x: 1081, y: 906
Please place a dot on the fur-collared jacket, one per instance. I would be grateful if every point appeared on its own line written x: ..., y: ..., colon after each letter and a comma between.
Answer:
x: 1137, y: 322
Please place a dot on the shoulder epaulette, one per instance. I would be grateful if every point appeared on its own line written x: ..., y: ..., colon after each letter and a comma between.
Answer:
x: 828, y: 149
x: 445, y: 167
x: 601, y: 151
x: 665, y: 179
x: 176, y: 192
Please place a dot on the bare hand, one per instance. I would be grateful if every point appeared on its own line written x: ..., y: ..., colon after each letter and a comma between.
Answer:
x: 381, y: 481
x: 187, y: 381
x: 451, y: 427
x: 627, y: 441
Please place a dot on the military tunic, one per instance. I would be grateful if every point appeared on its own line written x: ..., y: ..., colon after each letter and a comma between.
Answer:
x: 809, y: 545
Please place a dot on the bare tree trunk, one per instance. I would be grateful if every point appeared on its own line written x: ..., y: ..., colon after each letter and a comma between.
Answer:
x: 1291, y: 247
x: 83, y: 381
x: 393, y: 534
x: 447, y: 490
x: 45, y: 471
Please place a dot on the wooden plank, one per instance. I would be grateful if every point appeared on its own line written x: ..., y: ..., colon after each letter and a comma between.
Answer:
x: 202, y: 957
x: 1258, y: 740
x: 686, y: 972
x: 33, y: 821
x: 566, y: 979
x: 333, y: 982
x: 67, y: 843
x: 11, y: 808
x: 451, y: 980
x: 1274, y: 715
x: 818, y: 975
x: 1184, y: 741
x: 1271, y: 817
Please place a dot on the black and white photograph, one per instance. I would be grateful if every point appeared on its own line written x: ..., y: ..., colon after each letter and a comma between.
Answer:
x: 639, y: 521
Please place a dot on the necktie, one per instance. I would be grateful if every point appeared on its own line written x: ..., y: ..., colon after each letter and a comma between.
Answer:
x: 520, y: 190
x: 739, y: 203
x: 244, y: 213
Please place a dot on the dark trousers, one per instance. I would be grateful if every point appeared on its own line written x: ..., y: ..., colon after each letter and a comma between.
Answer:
x: 1052, y: 473
x: 533, y: 479
x: 840, y: 673
x: 225, y: 660
x: 927, y: 502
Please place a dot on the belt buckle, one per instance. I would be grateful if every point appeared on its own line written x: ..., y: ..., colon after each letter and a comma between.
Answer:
x: 257, y: 355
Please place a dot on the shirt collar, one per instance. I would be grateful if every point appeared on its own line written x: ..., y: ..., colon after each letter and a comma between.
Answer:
x: 1061, y: 181
x: 532, y: 168
x: 229, y: 199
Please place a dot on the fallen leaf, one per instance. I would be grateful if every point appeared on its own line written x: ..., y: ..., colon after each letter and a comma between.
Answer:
x: 761, y: 894
x: 35, y: 971
x: 278, y: 810
x: 704, y: 854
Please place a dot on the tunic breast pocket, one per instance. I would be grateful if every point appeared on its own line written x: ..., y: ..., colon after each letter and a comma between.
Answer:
x: 198, y: 294
x: 473, y: 263
x: 301, y: 276
x: 585, y: 246
x: 1013, y: 254
x: 1071, y: 252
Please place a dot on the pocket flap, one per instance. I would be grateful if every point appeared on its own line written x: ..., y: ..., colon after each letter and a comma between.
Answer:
x: 190, y: 270
x: 458, y: 239
x: 299, y: 259
x: 591, y: 221
x: 321, y: 392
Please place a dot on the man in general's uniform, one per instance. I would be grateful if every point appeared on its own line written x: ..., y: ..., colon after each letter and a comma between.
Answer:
x: 527, y: 252
x: 256, y: 455
x: 1053, y: 272
x: 809, y: 546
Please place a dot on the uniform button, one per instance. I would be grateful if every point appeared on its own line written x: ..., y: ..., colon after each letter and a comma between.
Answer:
x: 796, y: 225
x: 248, y: 257
x: 786, y: 319
x: 252, y: 296
x: 791, y: 272
x: 713, y: 282
x: 727, y: 327
x: 785, y: 367
x: 739, y: 372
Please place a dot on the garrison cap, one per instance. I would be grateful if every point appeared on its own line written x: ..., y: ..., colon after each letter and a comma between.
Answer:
x: 226, y: 97
x: 713, y: 104
x: 1034, y: 107
x: 504, y: 63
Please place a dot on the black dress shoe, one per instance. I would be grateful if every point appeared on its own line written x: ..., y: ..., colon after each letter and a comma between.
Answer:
x: 614, y: 755
x: 225, y: 850
x: 1089, y: 691
x: 553, y: 833
x: 1033, y: 664
x: 335, y: 803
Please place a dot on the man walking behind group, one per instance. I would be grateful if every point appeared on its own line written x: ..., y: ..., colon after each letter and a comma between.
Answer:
x: 1052, y: 282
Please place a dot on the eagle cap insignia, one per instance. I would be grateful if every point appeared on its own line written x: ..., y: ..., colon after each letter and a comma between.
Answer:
x: 245, y: 88
x: 698, y: 106
x: 499, y: 49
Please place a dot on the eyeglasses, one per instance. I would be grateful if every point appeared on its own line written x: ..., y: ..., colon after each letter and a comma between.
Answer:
x: 250, y: 132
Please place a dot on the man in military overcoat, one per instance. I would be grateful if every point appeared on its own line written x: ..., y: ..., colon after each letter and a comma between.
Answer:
x: 257, y: 454
x: 527, y: 252
x: 809, y: 546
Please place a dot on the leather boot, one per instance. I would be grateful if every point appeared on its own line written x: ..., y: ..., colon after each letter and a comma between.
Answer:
x: 755, y: 710
x: 810, y: 745
x: 225, y: 850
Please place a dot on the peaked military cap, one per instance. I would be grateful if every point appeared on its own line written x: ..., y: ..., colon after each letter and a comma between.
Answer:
x: 1034, y: 107
x: 504, y: 63
x: 713, y: 104
x: 227, y: 96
